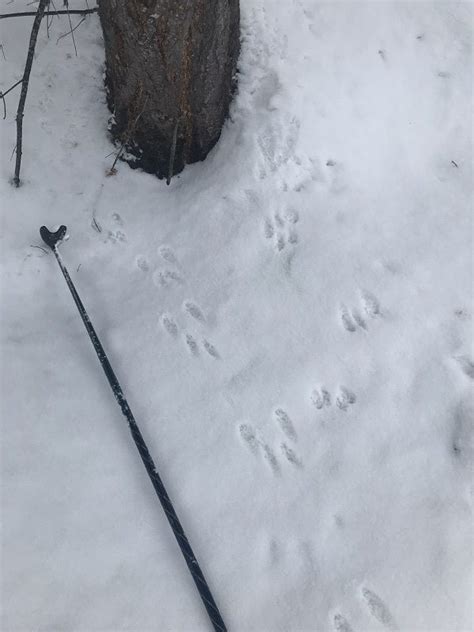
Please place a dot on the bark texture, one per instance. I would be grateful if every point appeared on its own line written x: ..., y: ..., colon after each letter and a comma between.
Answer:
x: 170, y: 72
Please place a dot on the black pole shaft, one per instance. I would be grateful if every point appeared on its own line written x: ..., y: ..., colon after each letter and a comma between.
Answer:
x: 186, y: 550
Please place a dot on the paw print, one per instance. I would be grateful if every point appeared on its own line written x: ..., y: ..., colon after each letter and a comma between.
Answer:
x: 321, y: 398
x: 353, y: 318
x: 281, y: 229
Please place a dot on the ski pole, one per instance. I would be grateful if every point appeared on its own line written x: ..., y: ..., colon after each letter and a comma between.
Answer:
x: 53, y: 240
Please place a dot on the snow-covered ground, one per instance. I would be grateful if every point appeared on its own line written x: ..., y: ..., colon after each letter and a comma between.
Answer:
x: 291, y: 321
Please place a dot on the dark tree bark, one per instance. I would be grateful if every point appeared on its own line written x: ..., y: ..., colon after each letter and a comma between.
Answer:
x: 170, y: 72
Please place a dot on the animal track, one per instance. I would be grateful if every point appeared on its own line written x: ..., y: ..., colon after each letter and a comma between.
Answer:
x: 249, y: 435
x: 167, y: 278
x: 211, y: 350
x: 345, y: 398
x: 142, y: 263
x: 269, y: 456
x: 291, y: 456
x: 285, y: 423
x: 169, y: 325
x: 194, y: 311
x: 353, y: 318
x: 254, y: 444
x: 116, y: 236
x: 321, y: 398
x: 192, y: 344
x: 168, y: 255
x: 163, y: 277
x: 292, y: 236
x: 291, y: 216
x: 340, y: 624
x: 370, y: 304
x: 347, y: 321
x: 282, y: 229
x: 358, y: 319
x: 280, y: 243
x: 378, y: 608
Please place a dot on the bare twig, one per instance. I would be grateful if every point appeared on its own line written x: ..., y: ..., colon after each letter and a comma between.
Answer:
x: 49, y: 19
x: 95, y: 225
x: 172, y: 152
x: 71, y: 30
x: 71, y: 33
x: 4, y: 94
x: 24, y: 88
x: 61, y: 12
x: 40, y: 248
x: 112, y: 171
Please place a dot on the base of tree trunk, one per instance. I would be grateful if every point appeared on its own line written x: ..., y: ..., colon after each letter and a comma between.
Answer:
x: 170, y: 75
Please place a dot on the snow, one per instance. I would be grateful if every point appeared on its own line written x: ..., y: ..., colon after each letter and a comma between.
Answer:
x: 290, y: 320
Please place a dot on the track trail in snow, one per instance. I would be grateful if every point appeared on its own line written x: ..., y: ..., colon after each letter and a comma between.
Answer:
x: 356, y: 317
x: 375, y: 607
x: 254, y: 441
x: 291, y: 319
x: 188, y: 315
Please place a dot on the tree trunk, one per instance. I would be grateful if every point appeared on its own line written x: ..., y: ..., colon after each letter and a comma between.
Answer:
x: 170, y: 72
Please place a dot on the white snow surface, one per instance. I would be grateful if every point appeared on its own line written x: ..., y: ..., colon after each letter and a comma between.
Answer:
x: 291, y: 321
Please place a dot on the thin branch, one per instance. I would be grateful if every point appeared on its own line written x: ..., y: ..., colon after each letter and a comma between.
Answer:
x: 71, y: 30
x: 40, y: 248
x: 4, y: 94
x: 49, y: 19
x: 95, y: 225
x: 60, y: 12
x: 71, y: 33
x: 172, y: 152
x: 50, y: 16
x: 112, y: 171
x: 24, y: 88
